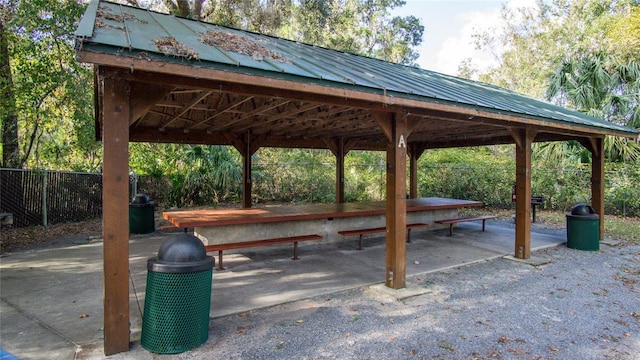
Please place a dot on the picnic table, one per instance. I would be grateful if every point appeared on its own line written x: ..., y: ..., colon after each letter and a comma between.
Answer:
x: 216, y: 226
x: 204, y: 218
x: 227, y: 229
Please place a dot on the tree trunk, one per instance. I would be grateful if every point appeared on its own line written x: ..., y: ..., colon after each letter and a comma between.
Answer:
x: 8, y: 117
x: 183, y: 8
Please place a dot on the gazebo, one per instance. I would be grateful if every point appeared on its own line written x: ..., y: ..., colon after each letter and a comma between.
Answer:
x: 161, y: 78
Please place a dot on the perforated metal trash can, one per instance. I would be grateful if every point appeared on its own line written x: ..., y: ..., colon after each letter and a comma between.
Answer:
x: 141, y: 215
x: 178, y: 296
x: 583, y: 228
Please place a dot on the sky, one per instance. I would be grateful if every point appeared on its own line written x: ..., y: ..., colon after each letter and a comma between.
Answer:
x: 449, y: 26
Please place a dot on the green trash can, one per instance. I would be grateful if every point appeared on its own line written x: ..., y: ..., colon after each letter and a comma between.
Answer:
x: 178, y: 296
x: 583, y: 228
x: 141, y: 215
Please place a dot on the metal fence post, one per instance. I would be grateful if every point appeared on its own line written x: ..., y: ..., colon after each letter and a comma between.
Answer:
x: 135, y: 184
x: 44, y: 198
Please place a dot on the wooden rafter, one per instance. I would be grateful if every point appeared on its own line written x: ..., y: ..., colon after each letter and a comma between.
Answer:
x: 294, y: 110
x: 257, y: 111
x: 222, y: 111
x: 141, y: 104
x: 252, y: 85
x: 196, y: 100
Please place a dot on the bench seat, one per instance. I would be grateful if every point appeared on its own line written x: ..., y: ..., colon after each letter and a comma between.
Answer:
x: 171, y: 227
x: 452, y: 222
x: 361, y: 232
x: 254, y: 243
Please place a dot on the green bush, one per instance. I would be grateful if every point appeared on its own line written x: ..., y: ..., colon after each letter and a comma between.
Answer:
x: 622, y: 189
x: 483, y: 174
x: 475, y: 175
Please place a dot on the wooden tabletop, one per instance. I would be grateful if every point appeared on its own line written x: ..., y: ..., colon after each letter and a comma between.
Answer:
x: 220, y: 217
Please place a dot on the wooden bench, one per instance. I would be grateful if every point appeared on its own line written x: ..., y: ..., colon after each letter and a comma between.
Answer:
x: 254, y: 243
x: 171, y: 227
x: 361, y: 232
x: 451, y: 222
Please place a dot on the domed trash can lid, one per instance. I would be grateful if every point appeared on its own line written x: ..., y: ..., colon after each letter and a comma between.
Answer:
x: 141, y: 200
x: 582, y: 209
x: 183, y: 253
x: 583, y: 212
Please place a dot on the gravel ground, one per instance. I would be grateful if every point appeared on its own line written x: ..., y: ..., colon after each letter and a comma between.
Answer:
x: 579, y: 305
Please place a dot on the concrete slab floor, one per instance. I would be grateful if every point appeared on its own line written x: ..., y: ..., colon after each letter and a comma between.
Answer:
x: 55, y: 295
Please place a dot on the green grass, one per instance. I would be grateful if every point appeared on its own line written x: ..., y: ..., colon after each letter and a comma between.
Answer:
x: 622, y: 228
x: 615, y: 227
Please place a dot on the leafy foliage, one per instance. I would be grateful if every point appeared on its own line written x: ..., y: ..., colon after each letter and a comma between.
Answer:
x: 53, y: 101
x: 363, y: 27
x: 200, y: 175
x: 479, y: 175
x: 295, y: 176
x: 485, y: 174
x: 8, y: 111
x: 597, y: 84
x: 582, y: 54
x: 531, y: 41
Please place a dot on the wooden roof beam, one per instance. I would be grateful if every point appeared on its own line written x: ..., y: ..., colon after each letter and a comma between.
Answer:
x: 265, y: 107
x: 223, y: 111
x: 196, y: 100
x: 187, y: 76
x: 294, y: 111
x: 147, y: 96
x: 591, y: 144
x: 177, y: 136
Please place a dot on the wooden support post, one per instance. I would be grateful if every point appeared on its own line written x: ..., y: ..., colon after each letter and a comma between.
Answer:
x: 395, y: 126
x: 596, y: 147
x: 597, y: 182
x: 523, y: 139
x: 115, y: 205
x: 246, y: 182
x: 339, y: 150
x: 246, y: 173
x: 415, y: 151
x: 246, y: 146
x: 340, y: 172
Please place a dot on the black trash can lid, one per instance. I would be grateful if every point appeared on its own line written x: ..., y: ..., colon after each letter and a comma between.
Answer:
x: 183, y: 253
x: 139, y: 199
x: 582, y: 209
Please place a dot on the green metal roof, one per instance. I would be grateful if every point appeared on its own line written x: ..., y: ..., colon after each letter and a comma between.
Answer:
x: 128, y: 31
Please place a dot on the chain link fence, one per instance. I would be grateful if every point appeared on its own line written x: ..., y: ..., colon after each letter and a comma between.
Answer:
x: 38, y: 197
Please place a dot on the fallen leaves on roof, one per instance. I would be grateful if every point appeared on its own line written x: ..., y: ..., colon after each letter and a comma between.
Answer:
x: 170, y: 46
x: 241, y: 45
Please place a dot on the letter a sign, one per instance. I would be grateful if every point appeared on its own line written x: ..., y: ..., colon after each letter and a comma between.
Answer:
x: 401, y: 142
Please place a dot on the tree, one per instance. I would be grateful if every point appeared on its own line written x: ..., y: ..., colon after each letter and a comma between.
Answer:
x: 623, y: 35
x: 185, y: 8
x: 598, y: 85
x: 581, y: 54
x: 362, y: 27
x: 52, y: 92
x: 358, y: 26
x: 530, y: 42
x: 389, y: 39
x: 8, y: 117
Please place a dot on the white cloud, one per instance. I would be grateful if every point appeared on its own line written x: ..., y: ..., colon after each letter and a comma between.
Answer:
x: 461, y: 45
